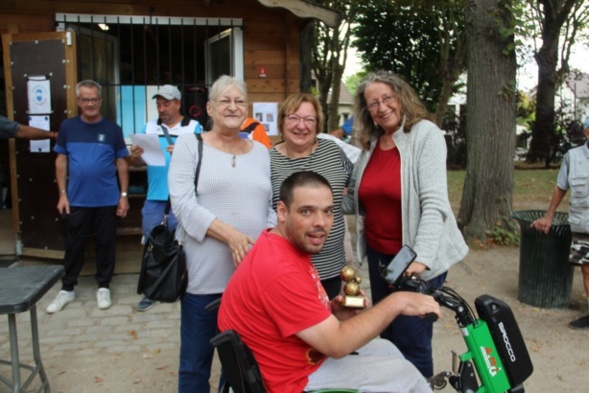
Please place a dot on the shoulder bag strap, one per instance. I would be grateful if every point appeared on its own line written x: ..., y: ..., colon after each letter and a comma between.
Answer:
x: 199, y: 137
x: 165, y: 130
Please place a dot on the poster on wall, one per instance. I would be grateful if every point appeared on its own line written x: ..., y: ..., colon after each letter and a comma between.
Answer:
x: 40, y: 146
x: 39, y: 95
x: 267, y: 113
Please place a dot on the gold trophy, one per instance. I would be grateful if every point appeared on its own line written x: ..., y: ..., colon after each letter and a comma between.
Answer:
x: 352, y: 297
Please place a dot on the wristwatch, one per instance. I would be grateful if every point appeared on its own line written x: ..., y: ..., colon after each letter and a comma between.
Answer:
x: 124, y: 194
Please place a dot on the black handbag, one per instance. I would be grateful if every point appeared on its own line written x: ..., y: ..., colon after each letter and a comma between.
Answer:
x: 163, y: 275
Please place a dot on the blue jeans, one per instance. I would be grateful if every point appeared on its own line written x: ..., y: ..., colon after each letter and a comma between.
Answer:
x: 412, y: 335
x: 197, y: 327
x: 153, y: 214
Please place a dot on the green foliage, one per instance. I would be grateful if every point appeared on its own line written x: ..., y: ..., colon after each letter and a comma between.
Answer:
x: 408, y: 37
x: 505, y: 233
x: 353, y: 81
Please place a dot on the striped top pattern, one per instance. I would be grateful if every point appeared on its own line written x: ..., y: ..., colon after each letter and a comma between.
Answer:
x: 329, y: 161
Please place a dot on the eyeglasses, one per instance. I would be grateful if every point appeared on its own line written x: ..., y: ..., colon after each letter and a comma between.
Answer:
x: 93, y: 100
x: 309, y: 121
x: 374, y: 105
x: 226, y: 102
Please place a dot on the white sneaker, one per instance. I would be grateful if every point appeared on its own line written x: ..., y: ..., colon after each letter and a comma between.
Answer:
x: 103, y: 298
x: 62, y: 298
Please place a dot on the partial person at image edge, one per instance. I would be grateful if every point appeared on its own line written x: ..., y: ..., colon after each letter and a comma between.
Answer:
x: 574, y: 175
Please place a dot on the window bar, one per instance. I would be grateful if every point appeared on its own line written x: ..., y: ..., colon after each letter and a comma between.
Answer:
x: 182, y: 79
x: 132, y: 47
x: 194, y: 46
x: 170, y: 66
x: 145, y: 77
x: 92, y: 47
x: 157, y: 51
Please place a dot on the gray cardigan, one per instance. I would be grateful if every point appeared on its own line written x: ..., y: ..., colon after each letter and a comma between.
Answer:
x: 429, y: 225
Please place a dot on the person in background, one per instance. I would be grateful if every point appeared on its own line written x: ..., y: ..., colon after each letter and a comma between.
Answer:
x: 299, y: 120
x: 344, y: 132
x: 168, y: 126
x: 92, y: 179
x: 574, y: 174
x: 400, y: 195
x: 12, y: 129
x: 253, y: 129
x: 219, y: 223
x: 300, y: 339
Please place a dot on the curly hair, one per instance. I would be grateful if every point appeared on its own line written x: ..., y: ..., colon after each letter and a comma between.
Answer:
x: 292, y: 103
x: 412, y: 109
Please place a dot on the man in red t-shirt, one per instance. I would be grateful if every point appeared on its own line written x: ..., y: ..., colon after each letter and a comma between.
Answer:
x: 300, y: 339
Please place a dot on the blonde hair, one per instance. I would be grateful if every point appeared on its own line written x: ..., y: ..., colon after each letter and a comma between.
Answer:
x: 412, y: 110
x: 223, y: 83
x: 292, y: 103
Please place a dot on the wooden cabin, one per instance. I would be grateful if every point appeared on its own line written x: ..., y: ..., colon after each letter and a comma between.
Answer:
x: 131, y: 48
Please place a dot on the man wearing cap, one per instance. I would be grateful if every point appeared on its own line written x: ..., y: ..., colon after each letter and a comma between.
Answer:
x: 168, y: 126
x: 574, y: 174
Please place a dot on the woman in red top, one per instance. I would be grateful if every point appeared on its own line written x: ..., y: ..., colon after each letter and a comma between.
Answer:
x: 400, y: 196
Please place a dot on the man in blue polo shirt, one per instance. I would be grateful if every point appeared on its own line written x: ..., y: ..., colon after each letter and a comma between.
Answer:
x: 92, y: 176
x: 168, y: 126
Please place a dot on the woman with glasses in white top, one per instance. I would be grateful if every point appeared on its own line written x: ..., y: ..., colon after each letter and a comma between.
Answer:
x: 400, y: 195
x: 219, y: 222
x: 300, y: 118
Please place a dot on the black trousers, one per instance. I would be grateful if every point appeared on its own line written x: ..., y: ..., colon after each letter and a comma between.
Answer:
x: 83, y: 223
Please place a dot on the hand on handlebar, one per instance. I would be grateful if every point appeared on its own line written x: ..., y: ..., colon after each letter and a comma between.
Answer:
x: 419, y: 305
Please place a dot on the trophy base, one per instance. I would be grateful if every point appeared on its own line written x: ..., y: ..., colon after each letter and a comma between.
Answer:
x: 353, y: 301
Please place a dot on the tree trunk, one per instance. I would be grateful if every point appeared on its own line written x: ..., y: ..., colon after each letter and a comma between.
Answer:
x: 543, y: 129
x: 445, y: 94
x: 555, y: 13
x: 491, y: 119
x: 306, y: 42
x: 333, y: 119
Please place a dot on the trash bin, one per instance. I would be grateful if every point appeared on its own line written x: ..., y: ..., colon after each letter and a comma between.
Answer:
x: 545, y: 275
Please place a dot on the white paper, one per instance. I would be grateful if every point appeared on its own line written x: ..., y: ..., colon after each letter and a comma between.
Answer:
x: 152, y: 151
x: 39, y: 94
x: 267, y: 114
x: 40, y: 146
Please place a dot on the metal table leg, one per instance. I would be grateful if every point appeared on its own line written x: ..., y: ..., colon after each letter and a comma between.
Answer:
x: 36, y: 351
x: 14, y: 353
x: 16, y: 384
